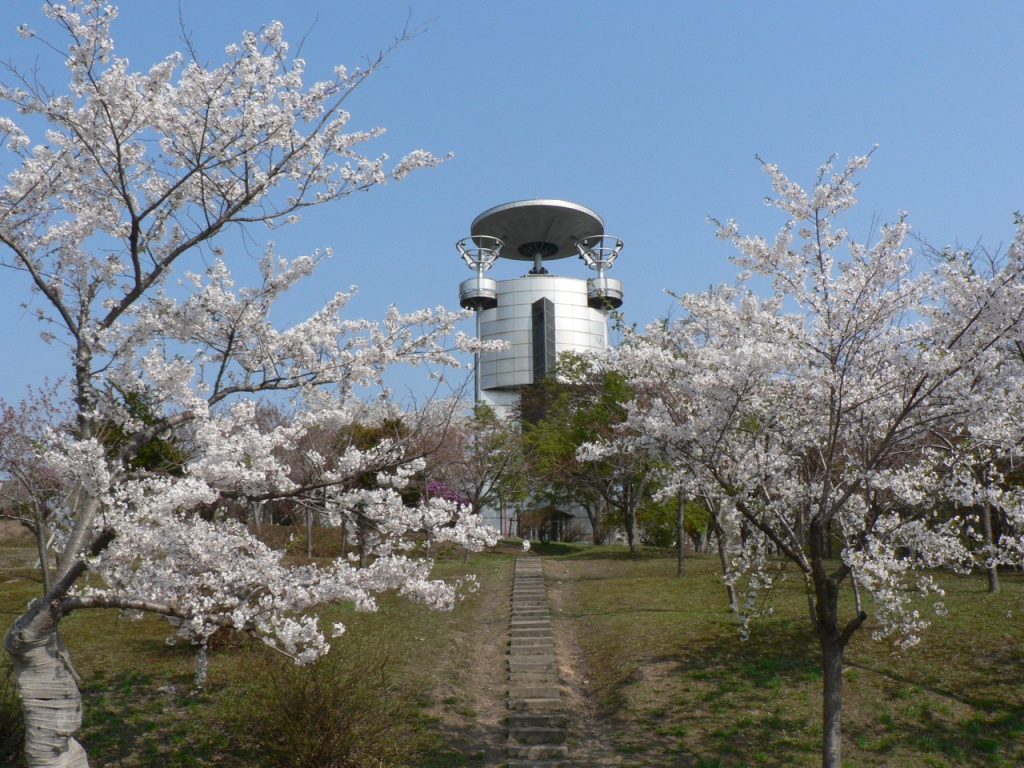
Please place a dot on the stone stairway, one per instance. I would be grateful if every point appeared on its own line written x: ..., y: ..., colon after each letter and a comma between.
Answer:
x: 536, y: 722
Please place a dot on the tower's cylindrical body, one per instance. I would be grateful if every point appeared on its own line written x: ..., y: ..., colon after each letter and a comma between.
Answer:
x: 540, y: 316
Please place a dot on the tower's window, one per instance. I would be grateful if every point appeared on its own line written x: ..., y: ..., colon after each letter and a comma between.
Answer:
x: 543, y: 338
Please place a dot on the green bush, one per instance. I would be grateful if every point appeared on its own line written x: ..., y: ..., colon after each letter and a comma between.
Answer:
x: 342, y: 711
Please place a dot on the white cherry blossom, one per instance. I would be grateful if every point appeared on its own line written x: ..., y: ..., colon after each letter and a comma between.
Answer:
x: 114, y: 212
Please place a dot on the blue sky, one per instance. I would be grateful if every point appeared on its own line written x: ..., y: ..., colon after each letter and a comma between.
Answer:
x: 650, y: 114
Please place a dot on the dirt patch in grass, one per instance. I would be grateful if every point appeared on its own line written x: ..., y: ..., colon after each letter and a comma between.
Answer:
x: 470, y: 699
x: 17, y: 547
x: 589, y: 742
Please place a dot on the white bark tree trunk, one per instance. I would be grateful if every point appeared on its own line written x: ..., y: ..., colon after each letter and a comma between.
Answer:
x: 48, y: 686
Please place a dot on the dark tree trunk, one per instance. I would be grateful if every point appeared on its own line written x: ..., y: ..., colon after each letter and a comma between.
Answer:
x: 832, y: 703
x: 309, y: 534
x: 723, y: 556
x: 630, y: 520
x: 832, y: 639
x: 681, y: 536
x: 990, y: 548
x: 596, y: 515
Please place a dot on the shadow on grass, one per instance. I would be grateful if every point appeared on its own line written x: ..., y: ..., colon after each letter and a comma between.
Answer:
x: 129, y: 718
x: 733, y: 703
x: 914, y: 712
x: 992, y: 739
x: 717, y: 702
x: 580, y: 551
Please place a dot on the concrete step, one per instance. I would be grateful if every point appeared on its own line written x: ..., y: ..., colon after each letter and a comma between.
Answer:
x: 532, y: 678
x: 531, y: 632
x: 530, y: 638
x: 535, y: 705
x: 537, y: 720
x: 524, y: 622
x: 532, y: 663
x: 531, y: 650
x: 538, y: 751
x: 534, y: 692
x: 539, y: 763
x: 537, y: 735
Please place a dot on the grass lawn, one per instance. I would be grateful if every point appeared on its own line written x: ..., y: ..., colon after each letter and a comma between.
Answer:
x: 140, y: 710
x: 661, y: 657
x: 677, y: 687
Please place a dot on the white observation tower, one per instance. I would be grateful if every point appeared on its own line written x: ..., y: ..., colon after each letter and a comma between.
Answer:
x: 539, y: 314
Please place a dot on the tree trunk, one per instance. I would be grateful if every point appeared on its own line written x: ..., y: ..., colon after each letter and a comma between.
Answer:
x: 681, y: 536
x: 364, y: 555
x: 628, y: 507
x: 832, y: 709
x: 48, y: 686
x: 832, y: 639
x: 596, y: 513
x: 309, y: 534
x: 990, y: 548
x: 43, y: 549
x: 723, y: 556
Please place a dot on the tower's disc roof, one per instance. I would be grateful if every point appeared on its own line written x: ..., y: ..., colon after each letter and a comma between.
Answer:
x: 530, y: 227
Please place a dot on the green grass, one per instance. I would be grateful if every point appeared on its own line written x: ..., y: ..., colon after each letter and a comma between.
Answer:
x: 679, y: 688
x: 663, y: 660
x: 138, y: 700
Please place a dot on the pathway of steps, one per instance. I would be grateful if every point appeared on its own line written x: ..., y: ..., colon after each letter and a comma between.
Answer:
x: 536, y: 722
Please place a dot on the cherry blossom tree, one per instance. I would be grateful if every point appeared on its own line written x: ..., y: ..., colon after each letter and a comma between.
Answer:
x: 114, y: 215
x: 480, y: 460
x: 832, y: 421
x: 984, y: 448
x: 28, y: 485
